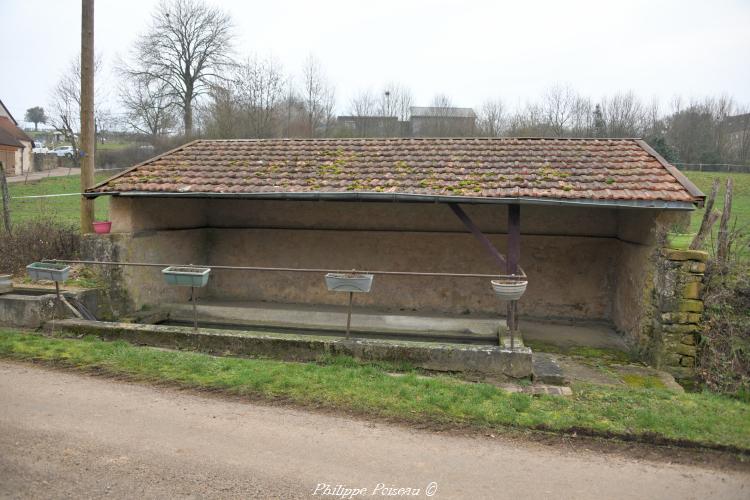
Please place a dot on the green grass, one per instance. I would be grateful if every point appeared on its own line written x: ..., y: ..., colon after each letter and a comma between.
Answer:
x: 65, y: 209
x: 643, y: 381
x: 740, y: 203
x: 345, y: 384
x: 114, y: 145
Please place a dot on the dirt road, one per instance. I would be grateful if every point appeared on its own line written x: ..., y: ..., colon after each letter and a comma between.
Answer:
x: 35, y: 176
x: 69, y: 435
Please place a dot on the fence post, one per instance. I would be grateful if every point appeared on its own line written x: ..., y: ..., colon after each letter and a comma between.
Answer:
x: 6, y: 198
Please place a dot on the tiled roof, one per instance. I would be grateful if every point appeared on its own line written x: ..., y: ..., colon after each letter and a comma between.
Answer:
x: 566, y: 169
x: 7, y: 139
x: 8, y: 126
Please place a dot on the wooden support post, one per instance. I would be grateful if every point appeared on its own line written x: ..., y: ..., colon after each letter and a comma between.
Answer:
x: 514, y: 256
x: 194, y: 300
x: 349, y: 314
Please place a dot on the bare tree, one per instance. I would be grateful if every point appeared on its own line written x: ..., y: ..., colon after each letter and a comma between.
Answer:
x: 557, y: 109
x: 364, y: 103
x: 624, y: 115
x: 259, y: 85
x: 186, y: 48
x: 491, y: 118
x: 318, y: 97
x: 148, y: 107
x: 363, y: 107
x: 395, y: 100
x: 381, y: 113
x: 220, y: 115
x: 65, y: 103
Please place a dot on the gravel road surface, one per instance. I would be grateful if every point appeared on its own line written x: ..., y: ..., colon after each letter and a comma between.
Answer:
x: 68, y: 435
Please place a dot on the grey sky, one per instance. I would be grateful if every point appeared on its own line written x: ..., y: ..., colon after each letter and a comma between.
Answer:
x: 469, y: 50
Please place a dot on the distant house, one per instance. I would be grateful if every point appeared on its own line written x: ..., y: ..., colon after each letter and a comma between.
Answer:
x: 371, y: 126
x: 737, y: 128
x: 22, y: 160
x: 442, y: 122
x: 435, y: 121
x: 9, y: 146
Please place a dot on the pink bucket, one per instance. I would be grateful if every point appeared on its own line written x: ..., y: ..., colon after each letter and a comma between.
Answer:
x: 102, y: 227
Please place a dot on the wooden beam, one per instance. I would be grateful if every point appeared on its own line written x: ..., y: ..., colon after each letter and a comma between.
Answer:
x: 464, y: 218
x: 514, y: 238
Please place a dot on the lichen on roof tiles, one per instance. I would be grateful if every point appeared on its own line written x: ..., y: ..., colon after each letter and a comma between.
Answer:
x: 591, y: 169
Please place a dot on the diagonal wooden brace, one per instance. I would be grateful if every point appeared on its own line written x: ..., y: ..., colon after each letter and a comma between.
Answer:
x: 464, y: 218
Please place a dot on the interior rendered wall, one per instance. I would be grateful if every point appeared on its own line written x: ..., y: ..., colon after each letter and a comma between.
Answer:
x: 568, y: 276
x: 639, y: 233
x: 568, y: 254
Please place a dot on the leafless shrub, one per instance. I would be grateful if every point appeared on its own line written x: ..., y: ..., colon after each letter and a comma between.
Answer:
x: 37, y: 240
x: 724, y: 358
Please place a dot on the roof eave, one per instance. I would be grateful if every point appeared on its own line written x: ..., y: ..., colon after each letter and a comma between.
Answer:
x: 407, y: 198
x: 691, y: 188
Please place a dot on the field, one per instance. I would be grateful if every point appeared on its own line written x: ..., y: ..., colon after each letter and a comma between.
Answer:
x: 64, y: 209
x: 740, y: 203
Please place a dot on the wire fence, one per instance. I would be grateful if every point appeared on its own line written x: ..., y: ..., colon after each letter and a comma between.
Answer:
x: 713, y: 167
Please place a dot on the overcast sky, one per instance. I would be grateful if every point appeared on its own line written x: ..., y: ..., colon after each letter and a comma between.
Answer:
x: 469, y: 50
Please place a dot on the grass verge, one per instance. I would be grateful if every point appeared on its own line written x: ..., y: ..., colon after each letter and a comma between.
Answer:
x: 63, y: 209
x: 740, y: 204
x: 652, y: 415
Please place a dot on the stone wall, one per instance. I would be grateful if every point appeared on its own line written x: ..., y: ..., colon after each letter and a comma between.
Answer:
x: 43, y: 162
x: 678, y: 310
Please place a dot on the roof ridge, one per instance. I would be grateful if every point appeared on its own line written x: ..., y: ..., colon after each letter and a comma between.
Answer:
x: 364, y: 139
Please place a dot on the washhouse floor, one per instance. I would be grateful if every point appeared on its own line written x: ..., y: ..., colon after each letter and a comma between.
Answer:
x: 371, y: 322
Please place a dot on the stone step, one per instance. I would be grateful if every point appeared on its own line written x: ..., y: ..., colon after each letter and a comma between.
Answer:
x: 547, y: 370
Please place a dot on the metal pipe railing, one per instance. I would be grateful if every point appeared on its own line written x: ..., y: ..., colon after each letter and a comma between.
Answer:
x: 293, y: 269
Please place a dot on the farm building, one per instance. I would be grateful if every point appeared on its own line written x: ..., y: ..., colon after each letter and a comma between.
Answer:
x: 21, y: 160
x: 590, y: 213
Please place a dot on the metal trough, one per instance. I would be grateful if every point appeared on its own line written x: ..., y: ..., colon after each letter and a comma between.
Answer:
x: 353, y: 282
x: 186, y: 276
x: 38, y: 271
x: 194, y: 277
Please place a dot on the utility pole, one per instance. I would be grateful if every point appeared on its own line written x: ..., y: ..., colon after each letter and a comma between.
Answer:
x: 87, y: 113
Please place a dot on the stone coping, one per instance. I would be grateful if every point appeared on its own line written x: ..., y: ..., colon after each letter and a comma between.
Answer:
x: 439, y: 356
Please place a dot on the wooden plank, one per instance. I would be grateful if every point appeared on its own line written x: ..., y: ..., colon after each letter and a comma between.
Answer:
x: 466, y: 220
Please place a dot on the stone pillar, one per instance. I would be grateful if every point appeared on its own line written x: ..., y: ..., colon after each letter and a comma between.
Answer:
x: 679, y: 303
x: 115, y: 300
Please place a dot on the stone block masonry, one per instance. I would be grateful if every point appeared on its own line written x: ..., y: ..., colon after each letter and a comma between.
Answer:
x: 678, y: 299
